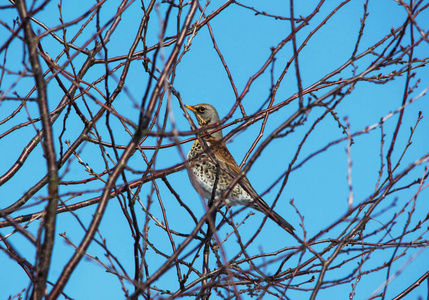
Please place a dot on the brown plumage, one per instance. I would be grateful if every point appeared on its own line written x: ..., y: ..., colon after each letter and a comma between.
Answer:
x: 203, y: 169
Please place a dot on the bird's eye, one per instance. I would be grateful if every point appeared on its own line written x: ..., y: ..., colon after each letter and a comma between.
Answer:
x: 201, y: 109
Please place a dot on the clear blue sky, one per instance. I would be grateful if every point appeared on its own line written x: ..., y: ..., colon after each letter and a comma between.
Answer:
x: 319, y: 188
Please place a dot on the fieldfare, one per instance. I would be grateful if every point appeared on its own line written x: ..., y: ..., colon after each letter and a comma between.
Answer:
x: 203, y: 169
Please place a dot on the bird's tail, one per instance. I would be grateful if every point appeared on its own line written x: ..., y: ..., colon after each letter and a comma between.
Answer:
x: 282, y: 222
x: 264, y: 208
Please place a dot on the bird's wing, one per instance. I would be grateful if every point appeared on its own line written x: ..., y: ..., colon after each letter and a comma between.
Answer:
x: 228, y: 164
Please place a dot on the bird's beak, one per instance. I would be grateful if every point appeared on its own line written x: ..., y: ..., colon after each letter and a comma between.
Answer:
x: 190, y: 108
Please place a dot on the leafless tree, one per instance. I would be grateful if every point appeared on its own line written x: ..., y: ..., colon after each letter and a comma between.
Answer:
x: 79, y: 130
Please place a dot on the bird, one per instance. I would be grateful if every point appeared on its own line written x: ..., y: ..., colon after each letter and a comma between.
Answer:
x: 214, y: 160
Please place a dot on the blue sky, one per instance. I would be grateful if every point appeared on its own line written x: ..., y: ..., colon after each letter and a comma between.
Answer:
x: 319, y: 188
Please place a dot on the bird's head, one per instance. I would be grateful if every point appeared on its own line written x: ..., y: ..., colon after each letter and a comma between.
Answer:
x: 206, y: 115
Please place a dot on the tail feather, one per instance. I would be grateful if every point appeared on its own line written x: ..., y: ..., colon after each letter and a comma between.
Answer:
x: 282, y: 222
x: 273, y: 216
